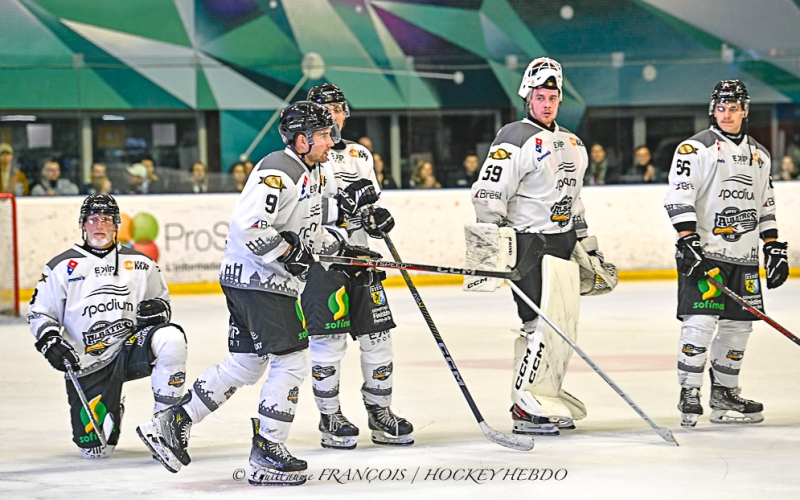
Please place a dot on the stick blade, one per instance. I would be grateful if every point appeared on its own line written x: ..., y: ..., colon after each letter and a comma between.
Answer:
x: 521, y: 443
x: 667, y: 435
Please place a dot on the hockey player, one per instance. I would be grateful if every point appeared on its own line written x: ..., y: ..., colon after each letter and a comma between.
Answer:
x: 720, y: 202
x: 531, y: 181
x: 104, y: 309
x: 363, y: 311
x: 263, y: 271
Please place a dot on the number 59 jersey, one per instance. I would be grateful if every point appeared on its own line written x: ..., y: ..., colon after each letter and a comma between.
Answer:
x: 726, y: 190
x: 532, y: 179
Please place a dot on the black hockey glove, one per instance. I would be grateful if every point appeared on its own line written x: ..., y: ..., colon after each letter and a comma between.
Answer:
x: 377, y: 221
x: 56, y: 350
x: 776, y: 262
x: 690, y: 254
x: 358, y: 194
x: 299, y: 258
x: 152, y: 312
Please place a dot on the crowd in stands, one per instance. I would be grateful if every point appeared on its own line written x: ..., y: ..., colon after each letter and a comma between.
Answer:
x: 144, y: 177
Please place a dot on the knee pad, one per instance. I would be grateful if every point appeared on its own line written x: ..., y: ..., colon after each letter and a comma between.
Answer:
x: 376, y: 348
x: 238, y: 369
x: 697, y: 330
x: 734, y: 334
x: 289, y: 369
x: 169, y: 346
x: 327, y: 349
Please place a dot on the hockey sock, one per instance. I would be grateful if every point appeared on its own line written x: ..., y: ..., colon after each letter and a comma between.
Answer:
x: 376, y: 366
x: 280, y: 393
x: 696, y: 333
x: 727, y: 351
x: 218, y: 383
x: 169, y: 370
x: 326, y: 360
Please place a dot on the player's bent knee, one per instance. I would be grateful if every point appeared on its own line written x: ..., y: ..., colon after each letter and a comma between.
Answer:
x: 246, y: 369
x: 169, y: 346
x: 294, y: 365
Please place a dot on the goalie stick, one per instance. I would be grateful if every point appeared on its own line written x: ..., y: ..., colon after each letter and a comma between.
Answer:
x: 525, y: 264
x: 85, y: 403
x: 666, y: 434
x: 727, y: 291
x: 522, y: 443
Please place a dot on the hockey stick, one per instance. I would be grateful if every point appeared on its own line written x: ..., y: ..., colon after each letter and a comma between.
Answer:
x: 661, y: 431
x: 85, y: 403
x: 525, y: 264
x: 522, y: 443
x: 727, y: 291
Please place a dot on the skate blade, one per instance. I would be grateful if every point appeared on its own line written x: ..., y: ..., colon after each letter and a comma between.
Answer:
x: 548, y: 430
x: 689, y: 420
x: 259, y: 476
x: 158, y: 449
x: 338, y: 442
x: 722, y: 417
x: 382, y: 438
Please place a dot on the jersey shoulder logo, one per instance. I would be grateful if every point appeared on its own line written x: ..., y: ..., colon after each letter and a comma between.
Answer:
x: 71, y: 265
x: 686, y: 149
x: 500, y: 154
x: 274, y: 181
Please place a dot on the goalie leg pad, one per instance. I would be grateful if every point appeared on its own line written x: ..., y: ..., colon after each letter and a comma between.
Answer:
x: 489, y: 248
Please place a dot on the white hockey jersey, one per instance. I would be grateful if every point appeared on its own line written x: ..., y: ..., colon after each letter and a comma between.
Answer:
x: 714, y: 183
x: 532, y: 180
x: 281, y: 194
x: 347, y: 162
x: 78, y: 291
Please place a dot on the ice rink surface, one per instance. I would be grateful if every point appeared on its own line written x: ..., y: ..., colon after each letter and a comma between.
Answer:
x: 632, y: 334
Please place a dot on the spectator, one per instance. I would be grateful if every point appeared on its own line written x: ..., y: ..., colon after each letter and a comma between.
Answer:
x: 137, y: 175
x: 366, y: 142
x: 788, y: 170
x: 51, y: 183
x: 424, y: 177
x: 385, y: 181
x: 248, y: 167
x: 598, y: 166
x: 643, y: 169
x: 99, y: 183
x: 198, y: 182
x: 152, y: 183
x: 12, y: 180
x: 238, y: 178
x: 466, y: 176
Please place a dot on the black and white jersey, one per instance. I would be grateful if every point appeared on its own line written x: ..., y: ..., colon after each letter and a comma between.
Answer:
x: 79, y: 292
x: 347, y: 162
x: 726, y: 190
x: 281, y: 194
x: 532, y: 179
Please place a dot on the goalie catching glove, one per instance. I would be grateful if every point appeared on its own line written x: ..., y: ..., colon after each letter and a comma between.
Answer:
x: 56, y: 350
x: 597, y: 276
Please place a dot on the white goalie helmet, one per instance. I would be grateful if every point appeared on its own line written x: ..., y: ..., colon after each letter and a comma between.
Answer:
x: 537, y: 74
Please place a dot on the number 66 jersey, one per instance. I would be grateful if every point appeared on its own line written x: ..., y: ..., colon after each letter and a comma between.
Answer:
x: 726, y: 190
x: 531, y: 180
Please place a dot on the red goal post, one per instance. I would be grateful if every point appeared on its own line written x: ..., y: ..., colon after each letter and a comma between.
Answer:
x: 9, y: 260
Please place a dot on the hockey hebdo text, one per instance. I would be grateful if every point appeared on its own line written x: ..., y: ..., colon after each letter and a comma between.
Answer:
x: 430, y: 474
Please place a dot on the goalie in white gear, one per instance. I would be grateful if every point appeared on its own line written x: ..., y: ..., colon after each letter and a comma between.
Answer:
x: 104, y: 309
x: 339, y: 301
x: 531, y: 182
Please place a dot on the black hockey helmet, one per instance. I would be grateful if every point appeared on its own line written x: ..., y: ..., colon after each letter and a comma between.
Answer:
x: 729, y: 91
x: 306, y: 117
x: 100, y: 204
x: 328, y: 93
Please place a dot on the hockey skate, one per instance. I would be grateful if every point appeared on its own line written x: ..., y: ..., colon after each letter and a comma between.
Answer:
x: 167, y: 437
x: 388, y: 428
x: 724, y: 399
x: 524, y: 423
x: 271, y: 464
x: 337, y: 431
x: 689, y: 406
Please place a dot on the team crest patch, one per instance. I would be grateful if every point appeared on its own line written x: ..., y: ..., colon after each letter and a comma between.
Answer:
x: 322, y: 372
x: 692, y: 350
x: 561, y: 211
x: 354, y: 153
x: 293, y: 393
x: 274, y: 181
x: 177, y: 379
x: 732, y: 223
x: 751, y: 283
x: 500, y: 154
x: 382, y: 372
x: 379, y: 297
x: 686, y: 149
x: 735, y: 355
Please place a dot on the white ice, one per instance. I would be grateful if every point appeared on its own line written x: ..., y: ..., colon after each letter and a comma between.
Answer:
x: 631, y: 333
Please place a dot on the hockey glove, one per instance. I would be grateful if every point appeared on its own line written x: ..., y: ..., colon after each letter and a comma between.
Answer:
x: 776, y: 262
x: 358, y: 194
x: 690, y: 254
x: 152, y: 312
x: 378, y: 222
x: 56, y: 350
x: 298, y: 259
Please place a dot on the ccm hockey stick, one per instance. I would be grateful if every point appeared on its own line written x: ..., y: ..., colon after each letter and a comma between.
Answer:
x: 526, y: 263
x: 85, y: 403
x: 727, y: 291
x: 666, y: 434
x: 522, y: 443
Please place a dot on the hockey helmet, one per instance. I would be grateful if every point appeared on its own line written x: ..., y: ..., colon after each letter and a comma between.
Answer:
x: 306, y: 117
x: 328, y: 93
x: 541, y: 72
x: 729, y: 91
x: 100, y: 204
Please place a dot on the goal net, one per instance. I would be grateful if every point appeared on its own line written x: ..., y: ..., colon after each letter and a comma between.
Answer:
x: 9, y: 281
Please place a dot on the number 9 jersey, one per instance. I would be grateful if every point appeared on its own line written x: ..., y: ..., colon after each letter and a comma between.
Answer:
x: 531, y: 180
